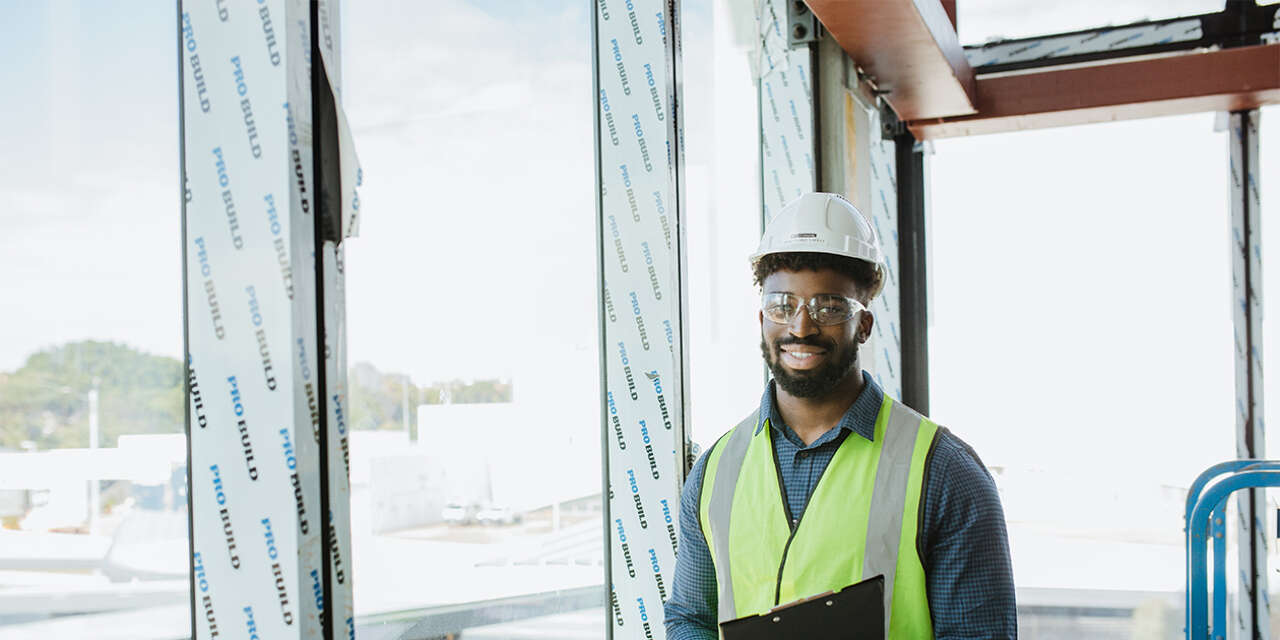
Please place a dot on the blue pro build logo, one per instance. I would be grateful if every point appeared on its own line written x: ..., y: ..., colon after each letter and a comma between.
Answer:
x: 206, y: 601
x: 644, y: 618
x: 245, y: 443
x: 224, y: 514
x: 277, y: 573
x: 228, y: 199
x: 291, y: 461
x: 278, y: 242
x: 211, y: 294
x: 639, y: 316
x: 193, y: 59
x: 635, y: 497
x: 626, y: 547
x: 246, y: 107
x: 259, y: 332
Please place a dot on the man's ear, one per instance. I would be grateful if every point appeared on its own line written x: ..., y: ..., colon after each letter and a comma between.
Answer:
x: 865, y: 322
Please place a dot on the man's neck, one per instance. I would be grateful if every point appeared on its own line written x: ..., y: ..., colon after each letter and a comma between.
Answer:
x: 809, y: 418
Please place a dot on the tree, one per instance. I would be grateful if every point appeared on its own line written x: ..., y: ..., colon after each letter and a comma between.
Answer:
x: 46, y: 400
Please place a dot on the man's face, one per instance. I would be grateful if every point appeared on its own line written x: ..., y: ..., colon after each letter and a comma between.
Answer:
x: 809, y: 360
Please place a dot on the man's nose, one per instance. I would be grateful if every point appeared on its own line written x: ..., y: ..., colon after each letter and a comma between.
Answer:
x: 802, y: 323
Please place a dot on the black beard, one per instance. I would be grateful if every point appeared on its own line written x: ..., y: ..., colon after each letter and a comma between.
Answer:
x: 814, y: 383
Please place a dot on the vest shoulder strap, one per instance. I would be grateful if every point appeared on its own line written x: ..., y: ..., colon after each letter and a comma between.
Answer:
x: 723, y: 487
x: 889, y: 496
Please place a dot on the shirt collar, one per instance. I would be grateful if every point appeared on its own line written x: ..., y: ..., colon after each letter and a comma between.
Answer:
x: 860, y: 418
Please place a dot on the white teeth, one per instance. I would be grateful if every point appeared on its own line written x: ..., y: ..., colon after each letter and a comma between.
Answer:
x: 801, y: 354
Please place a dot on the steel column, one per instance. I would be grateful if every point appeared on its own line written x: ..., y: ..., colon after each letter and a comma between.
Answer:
x: 1254, y: 609
x: 857, y: 160
x: 913, y: 299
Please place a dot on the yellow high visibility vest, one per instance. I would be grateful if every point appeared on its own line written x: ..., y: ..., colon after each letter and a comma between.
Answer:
x: 861, y: 521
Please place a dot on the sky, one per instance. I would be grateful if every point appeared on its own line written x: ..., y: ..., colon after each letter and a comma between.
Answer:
x: 88, y: 177
x: 1080, y: 278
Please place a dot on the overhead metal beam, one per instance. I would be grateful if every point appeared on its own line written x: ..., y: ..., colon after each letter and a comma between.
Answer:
x: 1239, y: 24
x: 1228, y: 80
x: 908, y: 49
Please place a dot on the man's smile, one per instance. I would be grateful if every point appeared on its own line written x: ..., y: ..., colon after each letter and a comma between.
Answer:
x: 802, y: 356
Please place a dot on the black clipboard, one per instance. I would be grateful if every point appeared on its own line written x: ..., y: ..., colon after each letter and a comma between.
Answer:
x: 855, y: 612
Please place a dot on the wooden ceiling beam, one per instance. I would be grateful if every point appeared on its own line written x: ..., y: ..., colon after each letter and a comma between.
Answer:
x: 908, y: 48
x: 1223, y: 80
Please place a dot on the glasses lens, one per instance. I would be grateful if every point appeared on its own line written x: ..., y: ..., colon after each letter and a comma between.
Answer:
x: 828, y: 309
x: 779, y: 307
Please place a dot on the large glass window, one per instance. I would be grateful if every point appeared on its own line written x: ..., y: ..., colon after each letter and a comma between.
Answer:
x: 723, y: 214
x: 93, y: 525
x: 1081, y: 341
x: 472, y: 308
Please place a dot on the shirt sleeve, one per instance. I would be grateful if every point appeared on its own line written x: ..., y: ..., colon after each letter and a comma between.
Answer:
x: 965, y: 548
x: 690, y: 612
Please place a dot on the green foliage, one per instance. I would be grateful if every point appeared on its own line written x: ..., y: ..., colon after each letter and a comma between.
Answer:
x: 459, y: 392
x: 46, y: 401
x: 378, y: 399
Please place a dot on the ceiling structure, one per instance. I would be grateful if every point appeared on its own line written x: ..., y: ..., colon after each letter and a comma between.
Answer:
x: 909, y: 52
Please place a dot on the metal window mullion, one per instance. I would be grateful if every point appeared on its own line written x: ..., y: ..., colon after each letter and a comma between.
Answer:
x: 1253, y: 613
x: 675, y: 137
x: 607, y: 519
x: 186, y: 330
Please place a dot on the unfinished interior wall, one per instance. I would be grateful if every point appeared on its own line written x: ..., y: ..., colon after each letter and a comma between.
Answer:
x: 871, y: 184
x: 787, y: 147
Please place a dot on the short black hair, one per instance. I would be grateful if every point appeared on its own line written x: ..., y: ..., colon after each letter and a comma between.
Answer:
x: 864, y: 274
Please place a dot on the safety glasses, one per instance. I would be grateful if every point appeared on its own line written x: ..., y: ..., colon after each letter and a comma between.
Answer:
x: 825, y: 309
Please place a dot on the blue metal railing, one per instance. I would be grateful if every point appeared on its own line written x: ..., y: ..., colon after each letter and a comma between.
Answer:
x: 1205, y: 520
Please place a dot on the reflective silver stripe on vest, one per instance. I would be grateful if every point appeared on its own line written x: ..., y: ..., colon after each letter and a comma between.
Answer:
x: 888, y: 499
x: 726, y: 482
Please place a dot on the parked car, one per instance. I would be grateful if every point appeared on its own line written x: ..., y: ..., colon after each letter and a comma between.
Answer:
x: 498, y: 515
x: 456, y: 513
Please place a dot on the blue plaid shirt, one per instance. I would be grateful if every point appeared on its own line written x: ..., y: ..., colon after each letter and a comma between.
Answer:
x: 962, y: 540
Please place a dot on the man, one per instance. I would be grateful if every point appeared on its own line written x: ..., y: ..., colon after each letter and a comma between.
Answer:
x: 831, y: 481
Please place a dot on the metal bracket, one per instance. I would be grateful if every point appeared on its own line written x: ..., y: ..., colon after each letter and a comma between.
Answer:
x: 802, y: 26
x: 890, y: 126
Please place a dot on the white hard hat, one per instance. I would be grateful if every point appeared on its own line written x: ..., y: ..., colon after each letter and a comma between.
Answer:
x: 823, y: 223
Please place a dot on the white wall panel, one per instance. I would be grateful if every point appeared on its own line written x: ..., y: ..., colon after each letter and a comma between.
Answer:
x: 883, y: 355
x: 641, y: 330
x: 787, y: 146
